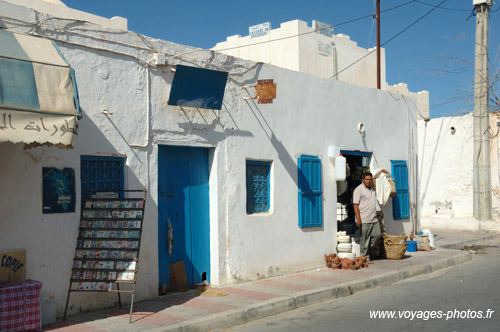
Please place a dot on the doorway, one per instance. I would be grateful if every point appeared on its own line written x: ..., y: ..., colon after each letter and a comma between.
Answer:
x: 357, y: 162
x: 183, y: 212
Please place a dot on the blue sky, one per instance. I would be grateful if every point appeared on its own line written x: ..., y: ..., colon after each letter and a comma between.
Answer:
x: 419, y: 57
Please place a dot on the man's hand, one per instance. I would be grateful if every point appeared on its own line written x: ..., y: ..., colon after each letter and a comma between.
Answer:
x: 357, y: 214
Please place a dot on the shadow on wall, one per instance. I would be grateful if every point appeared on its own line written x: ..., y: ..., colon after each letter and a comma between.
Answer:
x: 393, y: 227
x: 205, y: 123
x: 431, y: 164
x: 92, y: 141
x: 288, y: 162
x: 441, y: 142
x: 285, y: 158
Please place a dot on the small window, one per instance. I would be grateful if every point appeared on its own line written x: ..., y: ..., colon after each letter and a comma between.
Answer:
x: 400, y: 202
x: 310, y: 192
x: 101, y: 174
x: 258, y: 186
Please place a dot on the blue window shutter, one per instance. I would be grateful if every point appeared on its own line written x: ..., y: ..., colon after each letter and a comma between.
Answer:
x: 309, y: 180
x: 400, y: 202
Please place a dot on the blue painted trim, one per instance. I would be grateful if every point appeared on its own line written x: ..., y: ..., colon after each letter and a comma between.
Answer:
x: 75, y: 93
x: 355, y: 153
x: 60, y: 53
x: 310, y: 192
x: 400, y: 202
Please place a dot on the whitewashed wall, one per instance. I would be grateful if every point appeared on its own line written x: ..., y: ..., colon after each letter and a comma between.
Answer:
x: 309, y: 115
x: 422, y: 98
x: 446, y: 178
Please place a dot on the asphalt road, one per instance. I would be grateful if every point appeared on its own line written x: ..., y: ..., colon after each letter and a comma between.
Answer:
x: 445, y: 300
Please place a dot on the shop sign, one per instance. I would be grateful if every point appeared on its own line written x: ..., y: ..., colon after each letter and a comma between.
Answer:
x: 265, y: 91
x: 324, y: 48
x: 323, y: 28
x: 12, y: 265
x: 259, y: 30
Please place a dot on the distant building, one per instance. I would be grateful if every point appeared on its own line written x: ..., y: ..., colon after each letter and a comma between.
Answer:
x: 317, y: 51
x: 446, y: 149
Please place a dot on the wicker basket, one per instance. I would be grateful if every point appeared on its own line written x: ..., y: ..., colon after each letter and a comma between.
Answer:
x: 394, y: 246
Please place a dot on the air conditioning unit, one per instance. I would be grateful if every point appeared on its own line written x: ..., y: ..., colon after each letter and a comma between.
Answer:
x: 482, y: 2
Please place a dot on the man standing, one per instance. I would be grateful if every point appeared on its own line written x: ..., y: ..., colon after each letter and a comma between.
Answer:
x: 365, y: 209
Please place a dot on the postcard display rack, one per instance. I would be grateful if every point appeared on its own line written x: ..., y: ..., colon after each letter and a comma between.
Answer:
x: 108, y: 244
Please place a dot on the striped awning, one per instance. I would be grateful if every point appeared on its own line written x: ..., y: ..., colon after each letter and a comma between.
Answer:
x: 38, y: 94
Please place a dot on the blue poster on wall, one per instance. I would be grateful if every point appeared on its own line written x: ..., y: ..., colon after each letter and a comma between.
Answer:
x: 58, y: 190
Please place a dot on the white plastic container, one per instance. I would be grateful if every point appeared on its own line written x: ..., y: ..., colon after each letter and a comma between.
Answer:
x: 430, y: 235
x: 340, y: 171
x: 356, y: 248
x: 48, y: 310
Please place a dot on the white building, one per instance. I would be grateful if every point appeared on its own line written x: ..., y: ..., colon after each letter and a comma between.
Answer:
x: 317, y: 51
x: 198, y: 165
x: 446, y: 149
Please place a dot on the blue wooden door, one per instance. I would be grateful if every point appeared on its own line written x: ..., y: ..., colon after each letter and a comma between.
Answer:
x: 183, y: 200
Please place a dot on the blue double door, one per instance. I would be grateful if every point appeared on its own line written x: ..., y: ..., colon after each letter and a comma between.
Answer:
x: 183, y: 202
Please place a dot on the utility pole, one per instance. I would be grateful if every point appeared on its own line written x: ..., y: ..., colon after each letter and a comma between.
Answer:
x: 379, y: 85
x: 481, y: 168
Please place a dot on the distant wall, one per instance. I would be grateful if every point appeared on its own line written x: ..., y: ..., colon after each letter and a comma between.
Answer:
x: 445, y: 167
x: 422, y: 98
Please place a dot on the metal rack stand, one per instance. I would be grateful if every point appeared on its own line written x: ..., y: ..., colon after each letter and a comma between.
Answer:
x: 108, y: 245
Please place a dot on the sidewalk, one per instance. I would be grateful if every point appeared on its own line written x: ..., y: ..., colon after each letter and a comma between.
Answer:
x: 456, y: 239
x: 258, y: 299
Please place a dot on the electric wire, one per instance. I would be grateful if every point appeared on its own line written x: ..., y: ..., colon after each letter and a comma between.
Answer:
x: 390, y: 39
x: 445, y: 8
x: 150, y: 45
x: 294, y: 36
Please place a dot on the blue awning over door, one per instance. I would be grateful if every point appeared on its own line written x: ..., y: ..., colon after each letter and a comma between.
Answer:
x: 198, y: 87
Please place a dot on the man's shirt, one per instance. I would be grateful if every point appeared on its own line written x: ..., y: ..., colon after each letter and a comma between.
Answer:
x: 367, y: 202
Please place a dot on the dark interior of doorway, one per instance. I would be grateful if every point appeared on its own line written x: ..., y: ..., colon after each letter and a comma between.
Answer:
x: 357, y: 163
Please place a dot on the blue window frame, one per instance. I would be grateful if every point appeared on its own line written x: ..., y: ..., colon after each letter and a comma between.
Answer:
x: 258, y: 186
x: 310, y: 192
x: 101, y: 174
x: 400, y: 202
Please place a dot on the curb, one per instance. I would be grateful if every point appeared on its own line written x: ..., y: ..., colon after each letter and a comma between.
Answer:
x: 285, y: 303
x: 461, y: 244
